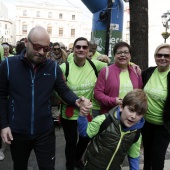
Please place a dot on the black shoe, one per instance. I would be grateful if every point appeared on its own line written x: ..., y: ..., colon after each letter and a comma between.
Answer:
x: 79, y: 165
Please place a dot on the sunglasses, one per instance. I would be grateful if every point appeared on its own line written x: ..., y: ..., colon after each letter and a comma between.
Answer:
x: 158, y: 55
x: 38, y: 47
x: 56, y: 49
x: 84, y: 47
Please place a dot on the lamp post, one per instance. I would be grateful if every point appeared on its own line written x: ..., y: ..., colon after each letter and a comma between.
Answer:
x: 166, y: 24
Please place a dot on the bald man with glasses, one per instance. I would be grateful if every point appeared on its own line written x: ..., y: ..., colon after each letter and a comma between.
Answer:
x: 26, y: 83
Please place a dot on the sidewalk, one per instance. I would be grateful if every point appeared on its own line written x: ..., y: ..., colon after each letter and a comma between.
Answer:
x: 6, y: 164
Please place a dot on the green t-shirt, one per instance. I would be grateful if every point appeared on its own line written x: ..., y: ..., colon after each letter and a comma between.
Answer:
x: 125, y: 84
x: 81, y: 80
x: 71, y: 56
x: 156, y: 90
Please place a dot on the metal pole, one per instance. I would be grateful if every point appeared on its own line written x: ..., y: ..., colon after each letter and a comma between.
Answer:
x: 109, y: 9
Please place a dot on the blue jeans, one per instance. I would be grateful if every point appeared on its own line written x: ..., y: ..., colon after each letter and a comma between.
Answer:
x: 155, y: 142
x: 43, y: 146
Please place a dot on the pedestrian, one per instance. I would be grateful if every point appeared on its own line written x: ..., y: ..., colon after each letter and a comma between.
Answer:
x: 26, y: 83
x: 115, y: 134
x: 57, y: 54
x: 116, y: 80
x: 81, y: 79
x: 156, y: 131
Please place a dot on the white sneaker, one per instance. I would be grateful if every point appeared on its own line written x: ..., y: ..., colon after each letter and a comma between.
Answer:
x: 2, y: 156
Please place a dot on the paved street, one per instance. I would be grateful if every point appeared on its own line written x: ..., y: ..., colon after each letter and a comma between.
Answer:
x: 6, y: 164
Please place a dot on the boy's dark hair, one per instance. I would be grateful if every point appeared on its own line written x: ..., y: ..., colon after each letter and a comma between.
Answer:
x: 121, y: 44
x: 137, y: 99
x: 81, y: 39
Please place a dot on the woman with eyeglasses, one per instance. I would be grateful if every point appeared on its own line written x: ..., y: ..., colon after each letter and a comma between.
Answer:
x: 81, y: 79
x: 114, y: 82
x: 57, y: 54
x: 156, y: 131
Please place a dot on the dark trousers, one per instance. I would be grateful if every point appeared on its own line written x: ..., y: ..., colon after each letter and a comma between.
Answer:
x: 73, y: 150
x: 155, y: 142
x: 43, y: 146
x: 0, y: 142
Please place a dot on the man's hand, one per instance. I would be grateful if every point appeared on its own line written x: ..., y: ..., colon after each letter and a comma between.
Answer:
x: 85, y: 106
x: 6, y: 135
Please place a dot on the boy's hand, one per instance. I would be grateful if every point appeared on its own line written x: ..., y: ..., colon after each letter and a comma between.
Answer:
x: 85, y: 106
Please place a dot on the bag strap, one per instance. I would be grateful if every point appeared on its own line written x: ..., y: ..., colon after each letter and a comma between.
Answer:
x: 91, y: 63
x: 137, y: 136
x: 107, y: 72
x: 93, y: 66
x: 67, y: 69
x: 105, y: 123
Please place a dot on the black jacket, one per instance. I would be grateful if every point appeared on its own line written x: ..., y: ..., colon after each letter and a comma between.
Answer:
x: 166, y: 112
x: 25, y: 94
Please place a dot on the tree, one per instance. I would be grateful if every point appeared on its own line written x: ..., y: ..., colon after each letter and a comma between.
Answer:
x: 139, y: 32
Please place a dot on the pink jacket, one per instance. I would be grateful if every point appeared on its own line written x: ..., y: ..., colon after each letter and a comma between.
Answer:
x: 107, y: 89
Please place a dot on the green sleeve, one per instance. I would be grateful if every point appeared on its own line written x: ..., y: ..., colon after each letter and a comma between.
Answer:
x: 94, y: 126
x: 63, y: 68
x: 134, y: 150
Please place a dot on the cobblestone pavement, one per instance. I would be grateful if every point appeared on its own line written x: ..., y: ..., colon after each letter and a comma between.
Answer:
x: 6, y: 164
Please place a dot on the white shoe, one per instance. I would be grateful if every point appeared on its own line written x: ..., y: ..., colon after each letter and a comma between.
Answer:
x: 2, y: 156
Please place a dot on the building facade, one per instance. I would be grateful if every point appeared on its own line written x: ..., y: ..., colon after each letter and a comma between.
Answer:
x: 7, y: 26
x: 63, y: 23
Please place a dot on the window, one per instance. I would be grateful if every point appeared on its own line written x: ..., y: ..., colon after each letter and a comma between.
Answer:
x: 72, y: 32
x: 24, y: 12
x: 38, y: 13
x: 24, y: 28
x: 73, y: 17
x: 49, y: 29
x: 60, y: 32
x: 5, y: 26
x: 50, y: 15
x: 60, y: 16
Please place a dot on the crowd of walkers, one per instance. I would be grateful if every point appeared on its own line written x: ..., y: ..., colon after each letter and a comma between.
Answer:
x: 107, y: 110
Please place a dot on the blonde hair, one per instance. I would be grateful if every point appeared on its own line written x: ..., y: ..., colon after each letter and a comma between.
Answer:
x: 163, y: 45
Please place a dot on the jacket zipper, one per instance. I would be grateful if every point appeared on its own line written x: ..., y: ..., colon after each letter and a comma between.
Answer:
x: 32, y: 111
x: 121, y: 137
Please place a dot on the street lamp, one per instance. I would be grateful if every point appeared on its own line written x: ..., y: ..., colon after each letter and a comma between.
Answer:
x: 166, y: 24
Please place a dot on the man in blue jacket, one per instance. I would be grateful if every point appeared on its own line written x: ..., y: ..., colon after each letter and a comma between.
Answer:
x: 26, y: 83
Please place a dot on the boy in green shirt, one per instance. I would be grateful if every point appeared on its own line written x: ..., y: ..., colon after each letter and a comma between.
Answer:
x: 115, y: 134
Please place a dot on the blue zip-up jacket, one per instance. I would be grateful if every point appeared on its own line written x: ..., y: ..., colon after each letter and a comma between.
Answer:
x: 25, y: 94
